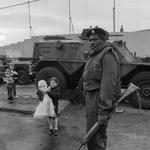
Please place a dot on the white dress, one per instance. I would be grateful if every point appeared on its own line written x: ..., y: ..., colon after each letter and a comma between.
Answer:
x: 45, y: 108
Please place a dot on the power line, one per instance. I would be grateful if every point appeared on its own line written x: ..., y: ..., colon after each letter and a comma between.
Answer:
x: 30, y: 27
x: 19, y: 4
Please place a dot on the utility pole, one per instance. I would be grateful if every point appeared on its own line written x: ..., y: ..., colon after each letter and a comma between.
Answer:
x: 70, y: 21
x: 29, y: 19
x: 30, y: 27
x: 114, y: 17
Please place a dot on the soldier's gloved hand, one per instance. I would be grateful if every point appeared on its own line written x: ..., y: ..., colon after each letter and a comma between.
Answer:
x: 103, y: 120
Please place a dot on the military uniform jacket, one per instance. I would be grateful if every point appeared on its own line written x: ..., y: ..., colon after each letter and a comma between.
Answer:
x: 102, y: 73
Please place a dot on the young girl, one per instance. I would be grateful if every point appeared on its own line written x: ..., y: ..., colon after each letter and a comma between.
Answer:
x: 9, y: 84
x: 54, y: 94
x: 45, y: 107
x: 14, y: 74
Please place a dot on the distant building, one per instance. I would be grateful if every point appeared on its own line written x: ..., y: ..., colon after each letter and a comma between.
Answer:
x: 137, y: 42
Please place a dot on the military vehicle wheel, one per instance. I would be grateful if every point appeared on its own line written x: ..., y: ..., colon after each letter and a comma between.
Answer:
x: 80, y: 92
x: 49, y: 72
x: 23, y: 77
x: 1, y: 81
x: 142, y: 80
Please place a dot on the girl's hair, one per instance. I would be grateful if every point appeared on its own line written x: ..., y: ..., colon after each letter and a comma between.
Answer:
x: 55, y: 79
x: 7, y: 70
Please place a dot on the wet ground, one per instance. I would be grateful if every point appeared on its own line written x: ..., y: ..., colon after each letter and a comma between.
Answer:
x: 22, y: 132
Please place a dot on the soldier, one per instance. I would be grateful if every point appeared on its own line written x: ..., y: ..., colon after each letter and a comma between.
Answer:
x: 101, y: 84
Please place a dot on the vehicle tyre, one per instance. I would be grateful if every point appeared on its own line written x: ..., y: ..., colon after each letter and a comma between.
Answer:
x: 1, y: 81
x: 80, y: 92
x: 49, y: 72
x: 142, y: 80
x: 23, y: 77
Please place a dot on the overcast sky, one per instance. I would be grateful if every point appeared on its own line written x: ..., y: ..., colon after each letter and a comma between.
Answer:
x: 52, y: 17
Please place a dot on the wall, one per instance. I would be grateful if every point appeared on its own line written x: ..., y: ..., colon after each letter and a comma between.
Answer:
x: 138, y: 41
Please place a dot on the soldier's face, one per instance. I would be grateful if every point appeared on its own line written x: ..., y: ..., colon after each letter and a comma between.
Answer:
x: 94, y: 41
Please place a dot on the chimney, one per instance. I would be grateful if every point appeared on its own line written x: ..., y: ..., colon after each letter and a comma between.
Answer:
x: 121, y: 29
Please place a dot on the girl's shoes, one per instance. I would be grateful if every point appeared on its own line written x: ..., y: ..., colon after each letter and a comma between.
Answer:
x: 55, y: 132
x: 9, y: 102
x: 50, y: 132
x: 10, y: 99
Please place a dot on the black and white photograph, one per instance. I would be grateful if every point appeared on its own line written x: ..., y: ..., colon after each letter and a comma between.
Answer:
x: 74, y: 75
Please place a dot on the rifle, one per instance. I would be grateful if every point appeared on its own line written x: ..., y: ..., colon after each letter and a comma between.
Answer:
x: 130, y: 90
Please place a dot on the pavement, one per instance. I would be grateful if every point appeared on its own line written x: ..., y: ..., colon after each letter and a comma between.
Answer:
x: 26, y: 101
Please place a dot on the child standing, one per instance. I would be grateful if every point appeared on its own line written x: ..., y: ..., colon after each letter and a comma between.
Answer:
x: 9, y: 84
x: 14, y: 74
x: 45, y: 107
x: 54, y: 94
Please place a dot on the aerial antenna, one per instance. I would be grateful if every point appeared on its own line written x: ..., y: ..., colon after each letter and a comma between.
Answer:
x: 70, y: 21
x: 30, y: 27
x: 114, y: 17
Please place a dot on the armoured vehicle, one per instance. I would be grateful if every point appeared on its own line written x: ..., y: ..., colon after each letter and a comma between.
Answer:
x: 65, y: 59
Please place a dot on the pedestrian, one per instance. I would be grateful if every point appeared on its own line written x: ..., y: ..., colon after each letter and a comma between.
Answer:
x: 46, y: 106
x: 101, y: 84
x: 14, y: 74
x: 54, y: 94
x: 9, y: 84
